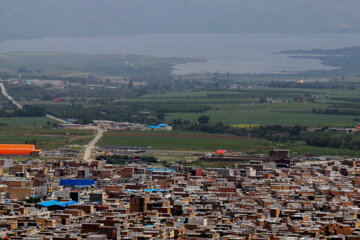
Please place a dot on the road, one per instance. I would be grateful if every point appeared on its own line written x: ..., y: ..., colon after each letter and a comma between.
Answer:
x: 5, y: 93
x: 55, y: 118
x: 18, y: 105
x: 90, y: 146
x: 130, y: 64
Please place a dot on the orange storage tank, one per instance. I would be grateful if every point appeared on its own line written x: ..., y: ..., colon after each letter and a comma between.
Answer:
x: 24, y: 146
x: 15, y: 151
x: 18, y: 149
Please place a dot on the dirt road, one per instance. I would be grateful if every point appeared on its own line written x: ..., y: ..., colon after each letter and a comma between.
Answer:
x: 88, y: 148
x: 91, y: 145
x: 18, y: 105
x: 5, y: 93
x: 55, y: 118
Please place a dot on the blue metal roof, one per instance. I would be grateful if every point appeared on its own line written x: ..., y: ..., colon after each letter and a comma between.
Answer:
x: 57, y: 203
x: 155, y: 190
x: 161, y: 125
x: 49, y: 203
x: 160, y: 170
x: 77, y: 182
x: 65, y: 204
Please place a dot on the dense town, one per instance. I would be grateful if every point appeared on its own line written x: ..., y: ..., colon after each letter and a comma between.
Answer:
x: 181, y: 119
x: 271, y: 197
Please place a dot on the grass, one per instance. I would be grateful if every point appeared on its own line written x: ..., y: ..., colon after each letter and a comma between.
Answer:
x: 203, y: 142
x: 184, y: 141
x: 29, y: 122
x: 242, y: 106
x: 269, y: 114
x: 59, y: 64
x: 45, y: 138
x: 300, y: 148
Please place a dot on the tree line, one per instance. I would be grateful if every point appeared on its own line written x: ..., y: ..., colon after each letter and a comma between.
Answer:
x: 334, y: 111
x: 125, y: 159
x: 347, y: 142
x: 270, y: 132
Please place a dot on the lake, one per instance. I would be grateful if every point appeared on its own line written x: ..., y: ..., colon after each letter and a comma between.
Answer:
x: 234, y: 53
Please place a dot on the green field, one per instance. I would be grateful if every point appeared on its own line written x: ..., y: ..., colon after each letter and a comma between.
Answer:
x: 269, y: 114
x: 300, y: 148
x: 184, y: 141
x: 243, y: 107
x: 98, y: 86
x: 44, y: 138
x: 74, y: 65
x: 210, y: 143
x: 29, y: 122
x: 141, y: 89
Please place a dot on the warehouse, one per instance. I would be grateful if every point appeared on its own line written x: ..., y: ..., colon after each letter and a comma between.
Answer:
x: 19, y: 149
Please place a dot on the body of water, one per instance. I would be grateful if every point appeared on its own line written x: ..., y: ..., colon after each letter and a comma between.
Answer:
x: 234, y: 53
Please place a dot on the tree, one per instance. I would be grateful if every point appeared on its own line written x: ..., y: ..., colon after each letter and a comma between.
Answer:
x: 219, y: 125
x: 262, y: 100
x: 295, y: 130
x: 131, y: 84
x: 203, y: 119
x: 22, y: 70
x: 160, y: 115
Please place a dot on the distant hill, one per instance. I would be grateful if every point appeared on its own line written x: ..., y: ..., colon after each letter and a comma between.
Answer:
x: 51, y: 18
x: 348, y: 51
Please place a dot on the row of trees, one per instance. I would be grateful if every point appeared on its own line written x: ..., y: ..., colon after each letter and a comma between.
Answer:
x: 313, y: 85
x: 270, y: 132
x: 335, y: 111
x: 124, y: 159
x: 27, y: 111
x: 347, y: 142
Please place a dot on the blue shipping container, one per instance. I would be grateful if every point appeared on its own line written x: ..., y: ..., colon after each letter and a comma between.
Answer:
x: 77, y: 182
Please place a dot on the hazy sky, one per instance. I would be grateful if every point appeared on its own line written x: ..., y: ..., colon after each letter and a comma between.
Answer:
x: 46, y: 18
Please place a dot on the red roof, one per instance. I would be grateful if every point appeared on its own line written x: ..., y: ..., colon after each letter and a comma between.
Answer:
x: 220, y: 152
x: 59, y: 100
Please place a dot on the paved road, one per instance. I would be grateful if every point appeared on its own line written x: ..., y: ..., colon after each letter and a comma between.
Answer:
x: 90, y: 146
x: 18, y: 105
x: 131, y: 65
x: 5, y: 93
x: 55, y: 118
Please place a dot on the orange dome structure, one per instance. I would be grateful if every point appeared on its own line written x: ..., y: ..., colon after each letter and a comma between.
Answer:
x: 19, y: 149
x: 220, y: 152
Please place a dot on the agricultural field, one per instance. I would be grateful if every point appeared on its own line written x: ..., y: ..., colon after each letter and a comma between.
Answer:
x: 201, y: 108
x: 74, y: 66
x: 184, y: 141
x: 27, y: 130
x: 124, y: 87
x: 244, y: 107
x: 27, y: 122
x: 269, y: 114
x: 204, y: 142
x: 261, y: 106
x: 45, y: 139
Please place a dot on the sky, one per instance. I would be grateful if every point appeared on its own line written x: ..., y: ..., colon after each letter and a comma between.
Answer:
x: 66, y: 18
